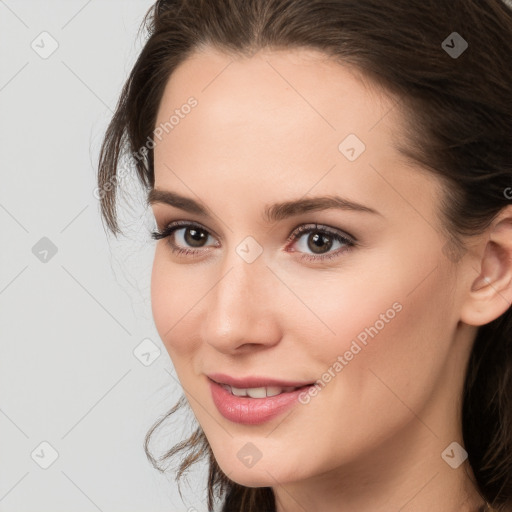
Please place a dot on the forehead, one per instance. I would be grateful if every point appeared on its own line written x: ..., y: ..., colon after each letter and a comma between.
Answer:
x: 280, y: 122
x: 301, y: 81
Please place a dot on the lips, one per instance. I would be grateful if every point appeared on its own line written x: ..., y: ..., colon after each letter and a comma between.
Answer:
x: 252, y: 411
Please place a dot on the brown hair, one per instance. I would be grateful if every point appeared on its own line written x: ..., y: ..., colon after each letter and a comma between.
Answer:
x: 459, y: 110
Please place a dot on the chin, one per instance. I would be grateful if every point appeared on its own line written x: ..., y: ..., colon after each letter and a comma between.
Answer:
x: 261, y: 474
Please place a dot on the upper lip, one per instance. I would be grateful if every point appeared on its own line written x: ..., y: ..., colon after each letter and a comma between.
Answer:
x: 255, y: 381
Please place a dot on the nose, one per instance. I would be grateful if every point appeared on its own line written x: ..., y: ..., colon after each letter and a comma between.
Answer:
x: 242, y: 307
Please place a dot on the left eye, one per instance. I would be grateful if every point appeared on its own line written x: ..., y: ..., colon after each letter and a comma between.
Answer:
x: 318, y: 240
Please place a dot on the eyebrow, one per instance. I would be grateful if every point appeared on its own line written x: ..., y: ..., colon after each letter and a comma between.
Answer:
x: 272, y: 213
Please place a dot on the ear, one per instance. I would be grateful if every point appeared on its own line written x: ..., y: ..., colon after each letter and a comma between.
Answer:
x: 490, y: 294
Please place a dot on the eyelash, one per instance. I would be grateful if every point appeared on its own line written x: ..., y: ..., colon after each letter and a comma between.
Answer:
x: 349, y: 241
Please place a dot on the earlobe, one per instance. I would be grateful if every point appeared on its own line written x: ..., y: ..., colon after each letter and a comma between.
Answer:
x: 490, y: 294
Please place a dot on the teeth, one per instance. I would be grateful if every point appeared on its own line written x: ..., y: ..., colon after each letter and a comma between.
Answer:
x: 238, y: 391
x: 258, y: 392
x: 271, y: 391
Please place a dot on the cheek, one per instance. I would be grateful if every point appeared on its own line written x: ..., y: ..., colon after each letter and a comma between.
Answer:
x: 171, y: 297
x: 389, y: 324
x: 394, y: 347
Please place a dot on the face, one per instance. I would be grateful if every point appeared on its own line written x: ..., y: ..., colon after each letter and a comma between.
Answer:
x: 363, y: 302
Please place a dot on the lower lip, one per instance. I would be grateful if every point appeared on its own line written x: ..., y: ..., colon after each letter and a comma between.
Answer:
x: 252, y: 411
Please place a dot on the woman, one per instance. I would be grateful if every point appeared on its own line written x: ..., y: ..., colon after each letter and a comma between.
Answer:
x: 331, y: 184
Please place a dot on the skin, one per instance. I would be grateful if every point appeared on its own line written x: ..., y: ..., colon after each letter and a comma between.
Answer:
x: 267, y: 129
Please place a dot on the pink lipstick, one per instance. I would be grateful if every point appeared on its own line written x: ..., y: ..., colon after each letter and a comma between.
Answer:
x: 256, y: 409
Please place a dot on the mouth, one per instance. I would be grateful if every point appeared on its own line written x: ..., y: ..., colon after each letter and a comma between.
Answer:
x: 254, y: 405
x: 257, y: 382
x: 262, y: 391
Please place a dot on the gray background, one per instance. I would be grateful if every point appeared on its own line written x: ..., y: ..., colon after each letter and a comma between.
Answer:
x: 70, y: 321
